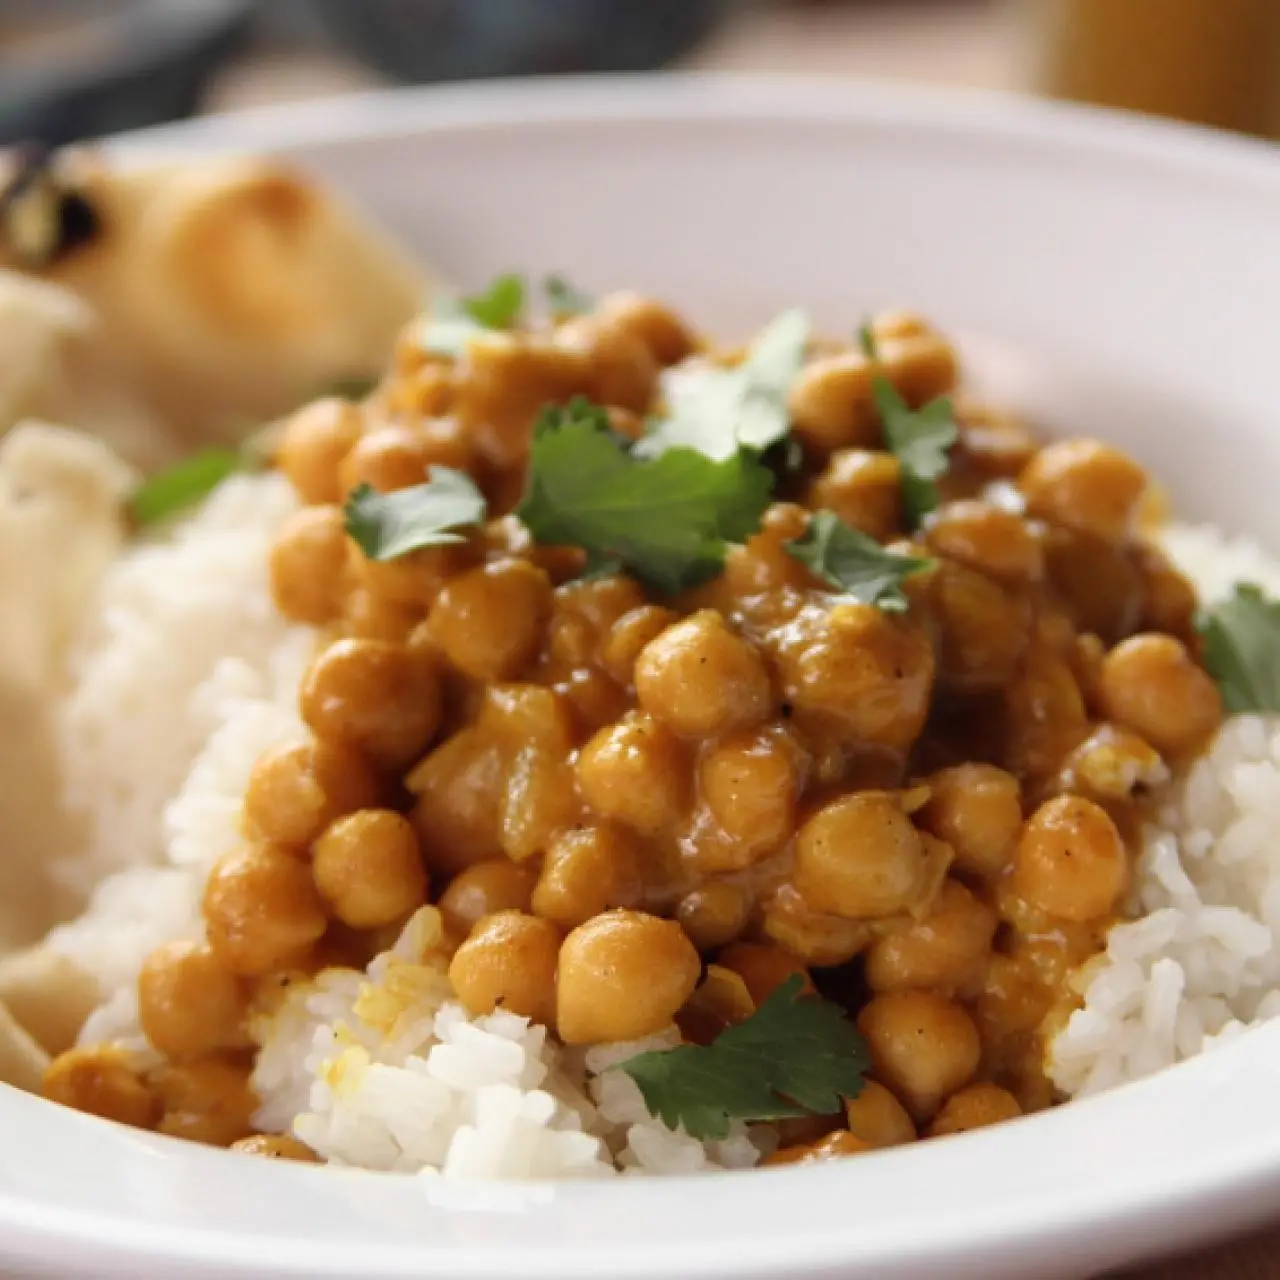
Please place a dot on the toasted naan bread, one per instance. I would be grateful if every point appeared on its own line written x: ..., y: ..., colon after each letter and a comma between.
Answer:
x: 219, y: 293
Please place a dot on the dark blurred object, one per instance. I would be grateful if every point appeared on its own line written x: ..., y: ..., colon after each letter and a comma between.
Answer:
x: 425, y: 40
x: 72, y: 69
x: 1213, y: 62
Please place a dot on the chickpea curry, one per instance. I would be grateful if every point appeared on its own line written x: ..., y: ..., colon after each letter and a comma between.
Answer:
x: 781, y: 693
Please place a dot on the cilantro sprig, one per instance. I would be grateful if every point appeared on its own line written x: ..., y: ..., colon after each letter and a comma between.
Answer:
x: 667, y: 520
x: 719, y: 411
x: 854, y: 564
x: 1242, y: 649
x: 388, y: 525
x: 186, y: 483
x: 920, y: 439
x: 453, y: 322
x: 795, y: 1056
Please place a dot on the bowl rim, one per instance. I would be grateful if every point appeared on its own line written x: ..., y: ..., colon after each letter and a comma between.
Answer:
x: 1236, y: 1178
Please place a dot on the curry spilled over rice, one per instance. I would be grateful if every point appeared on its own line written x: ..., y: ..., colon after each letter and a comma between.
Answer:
x: 713, y: 757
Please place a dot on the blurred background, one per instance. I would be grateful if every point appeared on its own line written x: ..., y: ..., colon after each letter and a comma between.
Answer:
x: 72, y: 69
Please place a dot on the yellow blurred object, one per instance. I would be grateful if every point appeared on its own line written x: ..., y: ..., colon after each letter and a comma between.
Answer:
x: 1213, y: 62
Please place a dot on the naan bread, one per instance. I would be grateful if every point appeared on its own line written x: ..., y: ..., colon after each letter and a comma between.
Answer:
x: 61, y: 524
x: 226, y: 292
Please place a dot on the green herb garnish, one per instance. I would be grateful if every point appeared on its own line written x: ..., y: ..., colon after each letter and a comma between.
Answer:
x: 388, y: 525
x: 1242, y: 649
x: 855, y: 564
x: 719, y: 411
x: 183, y: 485
x: 564, y: 298
x: 795, y: 1056
x: 453, y: 322
x: 919, y: 438
x: 666, y: 520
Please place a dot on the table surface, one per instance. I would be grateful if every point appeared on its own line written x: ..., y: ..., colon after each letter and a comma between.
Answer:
x: 963, y: 42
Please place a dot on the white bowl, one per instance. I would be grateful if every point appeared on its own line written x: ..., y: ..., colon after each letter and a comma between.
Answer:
x: 1116, y: 277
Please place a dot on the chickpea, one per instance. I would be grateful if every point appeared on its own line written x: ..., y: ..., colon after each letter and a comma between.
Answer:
x: 460, y: 788
x: 764, y: 967
x: 993, y: 444
x: 587, y: 871
x: 864, y: 488
x: 207, y: 1101
x: 947, y: 948
x: 982, y: 629
x: 1111, y: 764
x: 276, y: 1146
x: 490, y: 622
x: 629, y: 636
x: 750, y: 785
x: 1071, y: 861
x: 294, y: 792
x: 923, y: 1047
x: 188, y: 1003
x: 977, y: 810
x: 507, y: 378
x: 387, y: 458
x: 834, y: 1146
x: 635, y: 773
x: 308, y: 566
x: 816, y: 937
x: 831, y: 405
x: 878, y: 1118
x: 700, y: 679
x: 497, y: 884
x: 918, y: 362
x: 624, y: 373
x: 860, y: 858
x: 368, y: 869
x: 369, y: 616
x: 509, y: 961
x: 1168, y: 599
x: 1097, y: 581
x: 261, y: 910
x: 98, y: 1079
x: 622, y: 976
x: 412, y: 582
x: 987, y: 539
x: 1152, y: 685
x: 714, y: 914
x: 974, y: 1107
x: 1045, y: 715
x: 315, y: 442
x: 865, y: 671
x: 376, y: 697
x: 540, y: 801
x: 1085, y: 486
x: 662, y: 331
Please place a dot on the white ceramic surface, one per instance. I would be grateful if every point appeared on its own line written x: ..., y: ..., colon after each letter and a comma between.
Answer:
x: 1117, y: 278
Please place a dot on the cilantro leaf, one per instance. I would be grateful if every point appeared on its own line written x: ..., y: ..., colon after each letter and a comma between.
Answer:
x: 795, y: 1056
x: 1242, y: 649
x: 920, y: 440
x: 388, y: 525
x: 719, y: 411
x: 853, y: 563
x: 183, y: 485
x: 867, y: 340
x: 453, y: 322
x: 666, y: 520
x: 500, y: 305
x: 564, y: 298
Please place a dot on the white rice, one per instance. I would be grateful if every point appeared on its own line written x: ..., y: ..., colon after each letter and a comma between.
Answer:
x: 188, y: 675
x: 1200, y: 963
